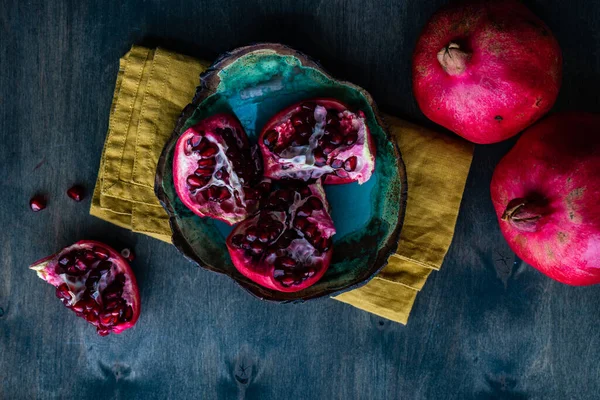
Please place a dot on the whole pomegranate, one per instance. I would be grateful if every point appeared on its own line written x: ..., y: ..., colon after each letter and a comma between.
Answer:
x: 94, y: 281
x: 486, y: 70
x: 546, y: 193
x: 287, y: 246
x: 215, y: 172
x: 315, y: 138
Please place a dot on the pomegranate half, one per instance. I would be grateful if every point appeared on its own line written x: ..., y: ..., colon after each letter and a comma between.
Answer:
x: 546, y: 193
x: 287, y: 246
x: 486, y: 70
x: 215, y: 172
x: 94, y: 281
x: 315, y: 138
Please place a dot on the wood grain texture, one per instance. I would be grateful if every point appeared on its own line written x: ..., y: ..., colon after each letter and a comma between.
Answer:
x: 484, y: 327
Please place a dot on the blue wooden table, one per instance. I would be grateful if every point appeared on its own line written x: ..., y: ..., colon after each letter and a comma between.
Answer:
x: 485, y: 327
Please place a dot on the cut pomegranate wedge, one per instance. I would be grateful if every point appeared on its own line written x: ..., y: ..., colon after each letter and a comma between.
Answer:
x: 287, y: 246
x: 94, y: 281
x: 315, y: 138
x: 216, y: 173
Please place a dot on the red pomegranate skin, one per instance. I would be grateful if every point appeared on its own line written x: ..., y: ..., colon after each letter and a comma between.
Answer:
x: 499, y: 69
x: 554, y: 173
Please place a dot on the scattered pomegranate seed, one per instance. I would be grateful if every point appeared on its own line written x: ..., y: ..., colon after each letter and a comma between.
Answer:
x: 76, y: 193
x: 37, y: 203
x: 128, y: 254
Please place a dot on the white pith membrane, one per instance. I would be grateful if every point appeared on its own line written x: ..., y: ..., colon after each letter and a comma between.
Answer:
x: 309, y: 259
x: 301, y: 160
x: 46, y: 270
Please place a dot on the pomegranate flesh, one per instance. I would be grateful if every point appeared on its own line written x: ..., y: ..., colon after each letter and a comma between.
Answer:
x: 94, y: 281
x: 215, y: 173
x: 545, y: 192
x: 287, y: 246
x: 315, y: 138
x: 486, y: 70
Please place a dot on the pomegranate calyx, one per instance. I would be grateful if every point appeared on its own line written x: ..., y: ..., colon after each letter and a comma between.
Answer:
x: 453, y: 59
x: 523, y: 214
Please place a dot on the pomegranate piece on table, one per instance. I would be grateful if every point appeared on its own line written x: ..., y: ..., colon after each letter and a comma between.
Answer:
x: 216, y: 173
x: 76, y: 193
x: 94, y: 281
x: 546, y: 193
x: 37, y: 203
x: 315, y: 138
x: 287, y: 246
x: 486, y: 70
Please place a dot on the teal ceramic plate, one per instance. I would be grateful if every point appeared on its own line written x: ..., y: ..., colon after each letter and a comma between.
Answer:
x: 254, y: 83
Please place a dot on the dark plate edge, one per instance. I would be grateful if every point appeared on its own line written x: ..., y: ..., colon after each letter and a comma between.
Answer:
x: 209, y: 81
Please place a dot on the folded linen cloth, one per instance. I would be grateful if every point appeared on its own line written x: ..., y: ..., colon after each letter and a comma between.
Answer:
x: 154, y: 85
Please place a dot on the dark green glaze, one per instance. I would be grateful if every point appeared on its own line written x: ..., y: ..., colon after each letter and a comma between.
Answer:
x: 254, y: 83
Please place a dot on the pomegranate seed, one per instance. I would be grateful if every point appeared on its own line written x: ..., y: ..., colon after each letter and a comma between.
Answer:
x: 335, y: 139
x: 237, y: 240
x: 223, y: 194
x: 62, y: 292
x: 129, y: 255
x: 194, y: 182
x: 336, y: 163
x: 341, y: 173
x: 320, y: 158
x: 315, y: 203
x: 310, y: 231
x: 202, y: 172
x: 207, y: 162
x: 80, y: 265
x: 107, y: 319
x: 90, y: 316
x: 251, y: 234
x: 103, y: 332
x: 89, y: 256
x: 286, y: 262
x: 288, y: 281
x: 351, y: 138
x: 257, y: 247
x: 300, y: 223
x: 101, y: 253
x: 194, y: 141
x: 264, y: 236
x: 78, y: 307
x: 310, y: 272
x: 37, y: 203
x: 350, y: 164
x: 200, y: 146
x: 76, y: 193
x: 328, y: 149
x: 222, y: 174
x: 304, y: 210
x: 127, y: 314
x: 112, y: 304
x: 297, y: 119
x: 270, y: 138
x: 210, y: 150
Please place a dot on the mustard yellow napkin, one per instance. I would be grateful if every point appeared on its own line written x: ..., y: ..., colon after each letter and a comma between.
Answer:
x: 152, y: 88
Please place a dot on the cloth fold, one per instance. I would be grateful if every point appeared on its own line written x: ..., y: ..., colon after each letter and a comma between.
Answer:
x: 154, y: 85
